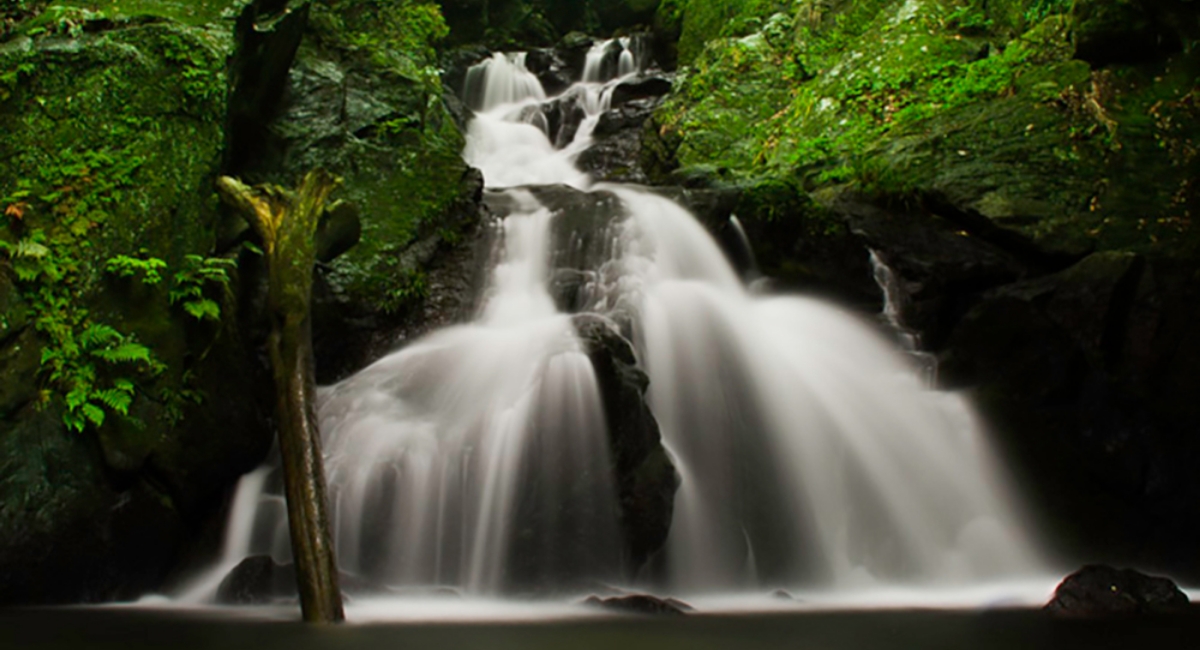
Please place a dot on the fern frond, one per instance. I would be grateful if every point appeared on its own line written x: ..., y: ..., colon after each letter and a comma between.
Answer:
x: 125, y: 353
x: 203, y: 309
x: 93, y: 413
x: 98, y: 334
x: 116, y: 400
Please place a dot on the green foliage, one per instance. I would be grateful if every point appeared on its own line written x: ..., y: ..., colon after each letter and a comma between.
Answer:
x: 411, y: 286
x: 188, y: 284
x: 83, y: 362
x: 396, y: 34
x: 190, y: 281
x: 124, y: 266
x: 851, y: 74
x: 705, y: 20
x: 1039, y: 10
x: 202, y: 79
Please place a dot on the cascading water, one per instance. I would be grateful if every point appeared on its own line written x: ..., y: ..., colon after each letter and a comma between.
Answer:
x: 809, y: 452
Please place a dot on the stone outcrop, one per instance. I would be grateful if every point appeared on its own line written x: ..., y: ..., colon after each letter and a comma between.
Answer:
x: 1098, y: 591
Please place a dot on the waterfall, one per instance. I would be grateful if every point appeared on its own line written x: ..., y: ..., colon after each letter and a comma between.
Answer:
x: 810, y: 452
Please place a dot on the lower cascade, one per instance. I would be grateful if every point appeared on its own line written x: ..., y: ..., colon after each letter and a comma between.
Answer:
x: 807, y: 451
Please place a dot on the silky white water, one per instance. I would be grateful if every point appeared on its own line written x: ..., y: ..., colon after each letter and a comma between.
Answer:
x: 812, y: 456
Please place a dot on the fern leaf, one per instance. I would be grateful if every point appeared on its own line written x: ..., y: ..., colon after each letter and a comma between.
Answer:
x: 93, y: 413
x: 97, y: 335
x: 31, y: 249
x: 116, y: 400
x: 77, y: 397
x: 124, y: 385
x: 74, y: 421
x: 203, y: 309
x: 125, y: 353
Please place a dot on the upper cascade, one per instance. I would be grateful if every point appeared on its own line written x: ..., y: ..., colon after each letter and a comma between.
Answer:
x: 499, y: 80
x: 519, y: 136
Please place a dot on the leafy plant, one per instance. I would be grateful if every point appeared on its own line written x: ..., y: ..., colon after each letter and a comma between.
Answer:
x: 83, y: 361
x: 197, y: 272
x: 124, y: 266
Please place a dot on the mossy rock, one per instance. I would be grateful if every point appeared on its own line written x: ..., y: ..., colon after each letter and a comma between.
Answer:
x: 114, y: 133
x: 990, y: 111
x: 375, y: 116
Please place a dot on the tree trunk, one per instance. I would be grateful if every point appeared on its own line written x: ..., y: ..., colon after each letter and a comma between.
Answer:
x: 287, y: 223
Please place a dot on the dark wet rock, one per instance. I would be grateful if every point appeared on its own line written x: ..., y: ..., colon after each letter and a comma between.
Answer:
x: 580, y: 227
x: 573, y: 48
x: 641, y: 604
x: 627, y: 117
x: 1122, y: 32
x: 616, y: 155
x: 569, y: 288
x: 646, y: 479
x: 446, y: 283
x: 943, y: 267
x: 257, y: 580
x: 550, y: 68
x: 1098, y: 591
x: 563, y: 116
x: 641, y: 88
x: 455, y: 64
x: 339, y: 230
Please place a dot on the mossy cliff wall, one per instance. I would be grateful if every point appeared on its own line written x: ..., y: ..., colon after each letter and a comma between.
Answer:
x: 132, y: 388
x: 1026, y: 166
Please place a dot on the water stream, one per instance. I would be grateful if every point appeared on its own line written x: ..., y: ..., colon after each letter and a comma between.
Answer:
x: 812, y: 454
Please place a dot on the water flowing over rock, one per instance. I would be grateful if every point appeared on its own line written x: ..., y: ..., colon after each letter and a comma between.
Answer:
x: 622, y: 407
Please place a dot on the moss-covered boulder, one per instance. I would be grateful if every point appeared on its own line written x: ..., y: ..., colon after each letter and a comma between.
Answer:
x: 122, y: 329
x: 364, y: 100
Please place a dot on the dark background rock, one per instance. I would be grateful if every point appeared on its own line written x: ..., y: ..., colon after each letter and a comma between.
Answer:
x: 1098, y: 591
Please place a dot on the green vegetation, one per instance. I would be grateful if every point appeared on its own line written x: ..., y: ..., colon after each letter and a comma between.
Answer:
x: 82, y: 361
x: 404, y: 170
x: 980, y: 101
x: 397, y: 35
x: 108, y: 150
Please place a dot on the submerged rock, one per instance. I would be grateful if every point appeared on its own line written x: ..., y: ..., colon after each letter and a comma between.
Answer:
x: 641, y: 604
x: 1098, y: 590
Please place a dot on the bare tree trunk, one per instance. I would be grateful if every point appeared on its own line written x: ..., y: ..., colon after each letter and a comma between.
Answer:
x: 287, y: 222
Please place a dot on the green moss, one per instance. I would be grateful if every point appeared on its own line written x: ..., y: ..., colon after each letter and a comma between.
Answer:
x: 701, y: 21
x: 402, y: 164
x: 112, y: 140
x: 979, y: 102
x: 394, y: 34
x: 188, y: 12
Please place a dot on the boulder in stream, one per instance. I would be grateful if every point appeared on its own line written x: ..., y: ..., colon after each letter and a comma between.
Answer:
x: 1097, y: 590
x: 641, y: 604
x: 645, y: 477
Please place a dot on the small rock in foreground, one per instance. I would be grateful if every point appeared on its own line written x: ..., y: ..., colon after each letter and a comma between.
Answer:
x: 641, y: 604
x: 1098, y: 590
